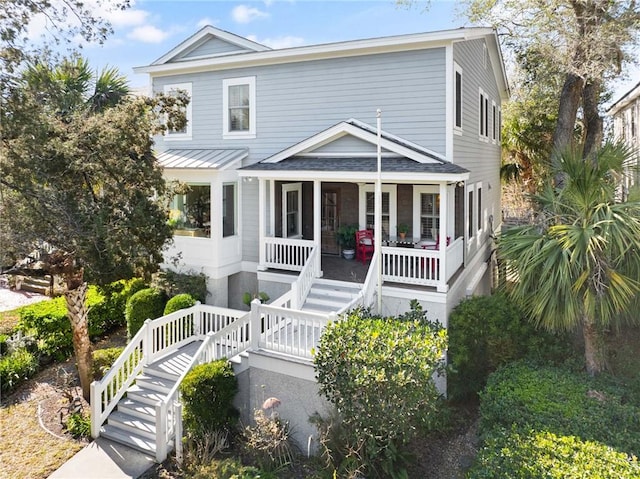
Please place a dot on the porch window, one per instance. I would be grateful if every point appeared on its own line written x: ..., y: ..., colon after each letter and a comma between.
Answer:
x: 429, y: 215
x: 239, y: 107
x: 371, y: 208
x: 184, y: 133
x: 292, y: 210
x: 190, y: 213
x: 229, y: 208
x: 366, y: 217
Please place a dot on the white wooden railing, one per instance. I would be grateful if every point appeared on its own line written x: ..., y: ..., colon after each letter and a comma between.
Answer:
x: 370, y: 281
x: 154, y: 339
x: 455, y: 257
x: 286, y: 253
x: 300, y: 287
x: 412, y: 266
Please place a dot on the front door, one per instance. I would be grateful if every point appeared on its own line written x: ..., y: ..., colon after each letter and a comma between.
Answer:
x: 330, y: 220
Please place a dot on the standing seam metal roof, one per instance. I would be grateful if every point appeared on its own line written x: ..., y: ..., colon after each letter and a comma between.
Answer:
x: 216, y: 159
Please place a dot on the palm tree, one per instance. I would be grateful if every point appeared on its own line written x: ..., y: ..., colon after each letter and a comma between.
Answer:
x: 579, y: 265
x: 71, y: 88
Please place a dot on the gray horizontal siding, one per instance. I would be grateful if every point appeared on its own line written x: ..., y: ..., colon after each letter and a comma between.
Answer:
x: 295, y: 101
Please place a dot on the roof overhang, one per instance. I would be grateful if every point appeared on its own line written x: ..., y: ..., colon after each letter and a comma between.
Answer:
x: 211, y: 159
x: 354, y: 176
x: 625, y: 100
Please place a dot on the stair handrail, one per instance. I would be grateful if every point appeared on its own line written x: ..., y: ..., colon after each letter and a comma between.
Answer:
x: 122, y: 373
x: 207, y: 352
x: 371, y: 281
x: 302, y: 285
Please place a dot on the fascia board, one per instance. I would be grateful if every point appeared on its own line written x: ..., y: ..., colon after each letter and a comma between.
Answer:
x: 314, y: 52
x: 356, y: 176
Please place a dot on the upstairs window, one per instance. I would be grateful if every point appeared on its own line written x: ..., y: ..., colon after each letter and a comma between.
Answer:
x: 483, y: 114
x: 457, y: 97
x: 184, y: 133
x: 239, y: 107
x: 495, y: 121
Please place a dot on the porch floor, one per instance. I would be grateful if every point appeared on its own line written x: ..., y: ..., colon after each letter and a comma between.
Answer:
x: 337, y: 268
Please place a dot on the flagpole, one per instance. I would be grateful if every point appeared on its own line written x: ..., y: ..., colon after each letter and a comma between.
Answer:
x: 378, y: 211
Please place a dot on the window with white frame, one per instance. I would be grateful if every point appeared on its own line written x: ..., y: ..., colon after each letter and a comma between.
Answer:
x: 292, y: 210
x: 426, y: 211
x: 470, y: 213
x: 483, y: 113
x: 185, y: 132
x: 494, y: 122
x: 239, y: 107
x: 389, y: 212
x: 190, y: 213
x: 479, y: 216
x: 457, y: 98
x: 499, y: 124
x: 229, y: 209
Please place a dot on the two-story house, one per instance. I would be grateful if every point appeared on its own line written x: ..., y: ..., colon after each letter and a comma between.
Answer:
x: 282, y: 150
x: 625, y: 113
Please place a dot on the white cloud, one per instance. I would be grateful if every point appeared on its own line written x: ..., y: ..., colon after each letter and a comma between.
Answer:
x: 206, y: 21
x: 245, y: 14
x: 126, y: 18
x: 279, y: 42
x: 148, y: 34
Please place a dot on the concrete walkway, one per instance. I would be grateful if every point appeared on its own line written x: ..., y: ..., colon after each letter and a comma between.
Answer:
x: 104, y: 459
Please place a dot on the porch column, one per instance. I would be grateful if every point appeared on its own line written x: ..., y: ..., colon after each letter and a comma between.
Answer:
x: 272, y: 208
x: 262, y: 201
x: 317, y: 223
x: 444, y: 232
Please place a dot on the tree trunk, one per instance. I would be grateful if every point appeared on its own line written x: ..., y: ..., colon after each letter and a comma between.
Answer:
x: 78, y: 315
x: 567, y: 111
x: 594, y: 351
x: 592, y: 119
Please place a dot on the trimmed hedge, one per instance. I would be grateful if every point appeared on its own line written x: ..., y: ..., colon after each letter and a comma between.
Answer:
x: 16, y: 368
x: 103, y: 359
x: 111, y: 311
x: 534, y: 455
x: 178, y: 302
x: 207, y: 393
x: 486, y: 332
x: 146, y: 304
x: 172, y: 283
x: 546, y: 398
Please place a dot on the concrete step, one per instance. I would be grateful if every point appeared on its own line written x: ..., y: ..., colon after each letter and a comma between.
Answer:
x: 145, y: 396
x: 130, y: 439
x: 335, y: 289
x: 35, y: 285
x: 132, y: 424
x: 136, y: 408
x: 155, y: 383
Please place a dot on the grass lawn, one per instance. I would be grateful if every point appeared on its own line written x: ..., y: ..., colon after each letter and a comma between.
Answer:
x: 9, y: 320
x: 26, y: 450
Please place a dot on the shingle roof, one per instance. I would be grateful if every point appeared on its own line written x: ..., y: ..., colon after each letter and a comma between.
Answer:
x: 216, y: 159
x: 310, y: 163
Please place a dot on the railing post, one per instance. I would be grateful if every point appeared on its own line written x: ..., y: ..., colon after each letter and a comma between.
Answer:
x: 197, y: 320
x: 161, y: 431
x: 96, y: 410
x: 255, y: 327
x: 178, y: 429
x: 295, y: 295
x: 147, y: 346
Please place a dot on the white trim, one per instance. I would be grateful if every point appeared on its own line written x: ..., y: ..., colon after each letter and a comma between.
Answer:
x: 354, y: 176
x: 286, y: 188
x: 363, y: 189
x: 168, y: 89
x: 344, y: 128
x: 245, y: 134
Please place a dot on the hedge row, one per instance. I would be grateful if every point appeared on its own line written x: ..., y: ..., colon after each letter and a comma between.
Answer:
x: 546, y: 421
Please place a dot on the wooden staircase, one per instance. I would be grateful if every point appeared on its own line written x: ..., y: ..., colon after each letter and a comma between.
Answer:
x: 330, y: 296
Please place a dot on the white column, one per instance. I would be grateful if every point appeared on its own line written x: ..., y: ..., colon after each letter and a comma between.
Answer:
x: 262, y: 198
x: 272, y: 208
x: 444, y: 232
x: 317, y: 223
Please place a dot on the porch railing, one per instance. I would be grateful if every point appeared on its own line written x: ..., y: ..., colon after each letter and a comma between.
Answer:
x: 286, y: 253
x: 412, y: 266
x: 370, y: 281
x: 301, y: 287
x: 455, y: 257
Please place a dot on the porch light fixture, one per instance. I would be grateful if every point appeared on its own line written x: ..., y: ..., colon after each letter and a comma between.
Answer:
x: 247, y: 179
x: 460, y: 184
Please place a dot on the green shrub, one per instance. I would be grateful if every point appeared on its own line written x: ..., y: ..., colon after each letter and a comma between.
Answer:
x: 534, y: 455
x: 3, y: 344
x: 172, y: 283
x: 378, y: 372
x: 78, y: 425
x: 16, y: 368
x: 486, y: 332
x: 146, y: 304
x: 109, y: 314
x: 207, y: 393
x: 103, y: 359
x: 562, y: 402
x: 178, y: 302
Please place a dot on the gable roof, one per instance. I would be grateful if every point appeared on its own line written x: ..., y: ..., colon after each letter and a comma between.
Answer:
x: 400, y: 156
x: 205, y: 34
x: 256, y: 54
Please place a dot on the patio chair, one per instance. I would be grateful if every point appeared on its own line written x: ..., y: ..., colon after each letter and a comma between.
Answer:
x: 364, y: 245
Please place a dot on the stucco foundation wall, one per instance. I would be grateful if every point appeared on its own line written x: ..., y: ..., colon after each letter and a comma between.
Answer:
x: 239, y: 284
x: 275, y: 289
x: 218, y: 292
x: 299, y: 400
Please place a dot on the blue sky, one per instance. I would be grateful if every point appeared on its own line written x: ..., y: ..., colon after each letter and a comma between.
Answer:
x: 152, y: 27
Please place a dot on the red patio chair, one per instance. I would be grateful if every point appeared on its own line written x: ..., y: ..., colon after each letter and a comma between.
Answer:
x: 364, y: 245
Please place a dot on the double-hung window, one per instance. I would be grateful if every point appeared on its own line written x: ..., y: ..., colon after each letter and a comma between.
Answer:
x: 185, y: 132
x: 457, y: 98
x: 229, y: 209
x: 239, y: 107
x: 483, y: 116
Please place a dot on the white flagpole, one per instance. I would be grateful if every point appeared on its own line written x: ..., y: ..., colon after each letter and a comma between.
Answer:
x: 378, y: 211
